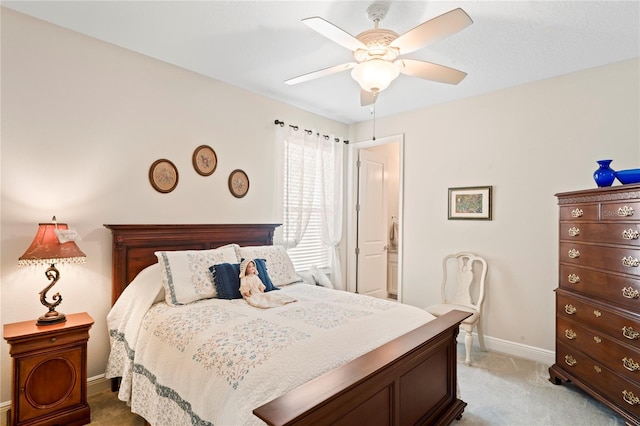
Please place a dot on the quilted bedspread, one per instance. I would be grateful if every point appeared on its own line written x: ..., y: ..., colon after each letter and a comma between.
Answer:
x: 212, y: 362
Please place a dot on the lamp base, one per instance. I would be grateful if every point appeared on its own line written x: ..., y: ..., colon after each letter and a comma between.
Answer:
x: 51, y: 317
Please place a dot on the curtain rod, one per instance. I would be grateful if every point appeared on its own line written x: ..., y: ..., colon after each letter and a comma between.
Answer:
x: 281, y: 124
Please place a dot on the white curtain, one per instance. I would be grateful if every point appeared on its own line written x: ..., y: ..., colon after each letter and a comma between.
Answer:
x: 314, y: 169
x: 298, y: 182
x: 331, y: 155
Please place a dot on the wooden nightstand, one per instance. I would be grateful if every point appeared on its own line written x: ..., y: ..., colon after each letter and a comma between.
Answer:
x: 49, y: 372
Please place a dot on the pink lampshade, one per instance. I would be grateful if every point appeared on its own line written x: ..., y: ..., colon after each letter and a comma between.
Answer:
x: 46, y: 249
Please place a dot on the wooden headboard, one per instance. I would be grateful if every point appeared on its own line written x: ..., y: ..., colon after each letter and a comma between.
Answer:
x: 133, y: 245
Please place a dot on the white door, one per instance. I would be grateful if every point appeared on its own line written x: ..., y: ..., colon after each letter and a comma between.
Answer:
x: 371, y: 273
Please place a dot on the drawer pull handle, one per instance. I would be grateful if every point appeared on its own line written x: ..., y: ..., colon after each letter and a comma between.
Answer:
x: 630, y: 234
x: 597, y: 339
x: 625, y: 211
x: 573, y: 253
x: 570, y: 334
x: 630, y: 333
x: 630, y: 293
x: 630, y: 364
x: 597, y: 368
x: 630, y: 398
x: 577, y: 213
x: 597, y: 313
x: 570, y: 309
x: 573, y: 278
x: 53, y: 339
x: 630, y: 262
x: 574, y: 232
x: 570, y: 361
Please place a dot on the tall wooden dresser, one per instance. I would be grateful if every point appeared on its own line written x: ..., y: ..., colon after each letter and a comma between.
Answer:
x: 598, y: 298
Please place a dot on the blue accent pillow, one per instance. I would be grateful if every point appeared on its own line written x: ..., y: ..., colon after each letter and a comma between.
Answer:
x: 226, y: 279
x: 261, y: 266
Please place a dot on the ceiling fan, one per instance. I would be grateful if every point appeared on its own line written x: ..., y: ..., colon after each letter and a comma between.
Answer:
x: 377, y: 51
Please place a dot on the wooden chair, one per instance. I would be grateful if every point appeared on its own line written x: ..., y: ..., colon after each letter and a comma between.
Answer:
x: 458, y: 293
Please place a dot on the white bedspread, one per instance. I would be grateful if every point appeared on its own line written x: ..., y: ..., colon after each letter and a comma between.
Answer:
x: 214, y: 361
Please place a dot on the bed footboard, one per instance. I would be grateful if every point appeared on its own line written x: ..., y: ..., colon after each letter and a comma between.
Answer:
x: 410, y: 380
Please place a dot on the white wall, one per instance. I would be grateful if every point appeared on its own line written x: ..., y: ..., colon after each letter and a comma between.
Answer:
x: 529, y: 142
x: 82, y: 121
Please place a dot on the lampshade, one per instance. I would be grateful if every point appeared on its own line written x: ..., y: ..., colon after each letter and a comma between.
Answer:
x: 53, y: 243
x: 46, y: 249
x: 375, y: 75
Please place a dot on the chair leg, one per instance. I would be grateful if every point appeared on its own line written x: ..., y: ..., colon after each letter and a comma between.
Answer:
x: 468, y: 344
x: 480, y: 336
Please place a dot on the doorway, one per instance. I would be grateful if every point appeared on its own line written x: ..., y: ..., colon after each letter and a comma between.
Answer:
x: 392, y: 148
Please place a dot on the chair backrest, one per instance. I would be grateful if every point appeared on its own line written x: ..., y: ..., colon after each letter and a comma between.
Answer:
x: 470, y: 274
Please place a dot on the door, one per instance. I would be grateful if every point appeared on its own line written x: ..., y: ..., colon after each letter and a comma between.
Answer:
x: 371, y: 273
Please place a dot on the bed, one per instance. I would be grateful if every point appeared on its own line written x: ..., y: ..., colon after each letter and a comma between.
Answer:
x: 354, y: 375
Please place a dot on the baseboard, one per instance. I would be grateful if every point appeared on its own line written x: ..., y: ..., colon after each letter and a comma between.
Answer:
x: 519, y: 350
x: 95, y: 384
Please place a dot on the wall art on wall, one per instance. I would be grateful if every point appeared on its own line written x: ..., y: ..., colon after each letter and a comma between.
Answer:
x: 238, y: 183
x: 470, y: 203
x: 163, y: 175
x: 204, y: 160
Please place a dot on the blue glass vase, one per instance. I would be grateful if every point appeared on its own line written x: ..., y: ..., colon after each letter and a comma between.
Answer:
x: 605, y: 175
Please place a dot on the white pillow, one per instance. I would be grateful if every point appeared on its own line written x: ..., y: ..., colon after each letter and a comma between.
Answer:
x: 185, y: 273
x: 320, y: 277
x: 279, y: 265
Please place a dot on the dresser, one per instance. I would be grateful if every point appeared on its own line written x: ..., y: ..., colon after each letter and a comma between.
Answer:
x: 598, y: 296
x: 49, y: 385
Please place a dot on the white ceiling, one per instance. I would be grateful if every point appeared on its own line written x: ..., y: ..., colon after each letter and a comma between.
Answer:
x: 256, y: 45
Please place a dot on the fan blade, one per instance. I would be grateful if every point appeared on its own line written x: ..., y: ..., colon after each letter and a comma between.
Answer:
x: 432, y: 30
x: 368, y: 98
x: 430, y: 71
x: 320, y: 73
x: 334, y: 33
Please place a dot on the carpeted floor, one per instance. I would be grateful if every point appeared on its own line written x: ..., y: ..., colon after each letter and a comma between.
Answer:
x: 499, y: 390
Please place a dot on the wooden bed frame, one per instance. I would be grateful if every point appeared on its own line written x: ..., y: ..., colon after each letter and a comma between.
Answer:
x: 410, y: 380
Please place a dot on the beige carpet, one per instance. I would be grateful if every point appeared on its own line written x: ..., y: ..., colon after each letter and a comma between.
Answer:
x: 499, y: 390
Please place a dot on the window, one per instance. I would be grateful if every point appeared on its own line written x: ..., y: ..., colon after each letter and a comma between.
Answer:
x: 302, y: 201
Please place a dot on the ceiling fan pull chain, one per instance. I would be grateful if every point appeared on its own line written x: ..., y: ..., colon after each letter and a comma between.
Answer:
x: 373, y: 111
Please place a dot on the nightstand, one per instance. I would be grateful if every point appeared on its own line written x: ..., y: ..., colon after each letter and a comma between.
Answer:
x: 49, y: 384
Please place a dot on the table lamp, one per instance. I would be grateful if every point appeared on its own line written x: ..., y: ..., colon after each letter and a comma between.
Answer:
x: 53, y: 243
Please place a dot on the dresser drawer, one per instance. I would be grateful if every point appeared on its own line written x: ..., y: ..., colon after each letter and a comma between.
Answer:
x: 623, y: 359
x: 582, y: 212
x: 620, y: 211
x: 617, y: 325
x: 613, y: 387
x: 617, y: 259
x: 612, y: 233
x: 623, y: 291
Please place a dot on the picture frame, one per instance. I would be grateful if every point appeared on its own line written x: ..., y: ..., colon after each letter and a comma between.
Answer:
x: 204, y: 160
x: 238, y: 183
x: 163, y: 175
x: 470, y: 203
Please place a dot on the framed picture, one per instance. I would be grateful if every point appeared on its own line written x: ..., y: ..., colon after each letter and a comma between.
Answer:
x: 163, y: 176
x: 204, y: 160
x: 470, y: 203
x: 238, y: 183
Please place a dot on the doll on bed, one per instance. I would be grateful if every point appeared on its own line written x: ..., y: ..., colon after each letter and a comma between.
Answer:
x: 252, y: 288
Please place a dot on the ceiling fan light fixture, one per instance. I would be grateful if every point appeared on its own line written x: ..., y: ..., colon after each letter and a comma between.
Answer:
x: 375, y: 75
